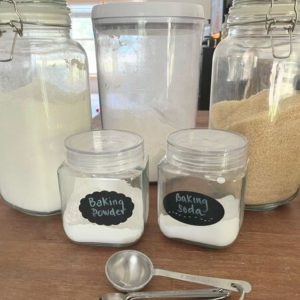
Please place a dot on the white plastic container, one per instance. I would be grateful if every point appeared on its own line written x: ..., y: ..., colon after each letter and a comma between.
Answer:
x: 148, y: 57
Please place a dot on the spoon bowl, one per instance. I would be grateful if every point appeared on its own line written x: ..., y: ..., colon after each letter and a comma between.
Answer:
x: 129, y: 270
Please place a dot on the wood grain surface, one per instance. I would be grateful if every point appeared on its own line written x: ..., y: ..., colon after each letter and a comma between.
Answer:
x: 38, y: 262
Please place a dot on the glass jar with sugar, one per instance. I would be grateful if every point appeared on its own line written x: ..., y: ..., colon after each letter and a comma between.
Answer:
x: 255, y: 91
x: 104, y: 188
x: 201, y: 185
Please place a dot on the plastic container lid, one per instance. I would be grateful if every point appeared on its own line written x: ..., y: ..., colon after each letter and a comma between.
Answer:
x: 105, y: 151
x: 208, y: 150
x: 148, y: 9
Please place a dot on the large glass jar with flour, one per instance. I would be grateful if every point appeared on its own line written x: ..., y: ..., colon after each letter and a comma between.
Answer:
x: 44, y: 97
x: 104, y: 188
x: 256, y: 91
x: 148, y: 68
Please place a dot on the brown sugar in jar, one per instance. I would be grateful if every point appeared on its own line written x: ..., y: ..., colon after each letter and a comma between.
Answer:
x: 273, y: 131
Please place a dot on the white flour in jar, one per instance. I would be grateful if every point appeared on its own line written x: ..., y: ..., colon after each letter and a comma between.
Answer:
x: 220, y: 234
x: 34, y: 122
x: 80, y: 229
x: 144, y: 84
x: 148, y: 125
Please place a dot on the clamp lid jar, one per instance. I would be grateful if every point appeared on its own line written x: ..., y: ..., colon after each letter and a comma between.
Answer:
x: 201, y: 184
x: 44, y: 98
x: 255, y: 91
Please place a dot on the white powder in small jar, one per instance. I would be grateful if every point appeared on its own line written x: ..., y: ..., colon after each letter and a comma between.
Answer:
x: 200, y: 191
x: 81, y: 230
x: 220, y: 234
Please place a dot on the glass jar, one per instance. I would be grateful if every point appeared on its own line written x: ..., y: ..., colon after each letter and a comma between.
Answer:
x: 255, y: 91
x: 200, y: 186
x: 104, y: 188
x: 44, y: 97
x: 148, y: 57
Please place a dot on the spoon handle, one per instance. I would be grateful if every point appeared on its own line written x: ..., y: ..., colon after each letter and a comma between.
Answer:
x: 227, y: 284
x: 200, y: 293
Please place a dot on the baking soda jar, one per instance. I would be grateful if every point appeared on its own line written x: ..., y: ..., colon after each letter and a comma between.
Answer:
x: 201, y: 187
x: 148, y: 57
x: 44, y: 97
x: 104, y: 188
x: 255, y: 91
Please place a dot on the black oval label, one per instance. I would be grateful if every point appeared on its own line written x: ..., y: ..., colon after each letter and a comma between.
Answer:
x: 193, y: 208
x: 106, y: 208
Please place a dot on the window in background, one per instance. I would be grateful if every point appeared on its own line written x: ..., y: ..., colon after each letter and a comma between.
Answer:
x: 82, y: 32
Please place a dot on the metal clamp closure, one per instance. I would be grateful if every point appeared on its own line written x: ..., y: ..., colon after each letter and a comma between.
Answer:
x: 17, y: 30
x: 287, y: 23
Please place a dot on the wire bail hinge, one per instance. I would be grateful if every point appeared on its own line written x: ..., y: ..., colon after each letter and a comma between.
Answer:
x: 17, y: 30
x: 286, y: 22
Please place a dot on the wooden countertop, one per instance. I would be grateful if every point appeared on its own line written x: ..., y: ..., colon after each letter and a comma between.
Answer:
x: 38, y: 262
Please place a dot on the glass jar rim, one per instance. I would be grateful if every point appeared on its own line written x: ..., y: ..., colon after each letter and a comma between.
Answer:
x: 247, y: 12
x: 35, y: 12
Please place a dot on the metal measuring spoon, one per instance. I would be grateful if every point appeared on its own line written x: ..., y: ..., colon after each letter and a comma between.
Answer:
x: 213, y: 294
x: 131, y: 270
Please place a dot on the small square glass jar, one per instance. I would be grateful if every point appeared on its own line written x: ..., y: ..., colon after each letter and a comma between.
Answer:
x: 201, y: 186
x: 104, y: 188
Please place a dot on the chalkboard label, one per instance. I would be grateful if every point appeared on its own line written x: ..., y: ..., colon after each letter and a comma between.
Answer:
x: 193, y: 208
x: 106, y: 208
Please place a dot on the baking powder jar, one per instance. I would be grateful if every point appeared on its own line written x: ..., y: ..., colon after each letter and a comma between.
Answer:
x: 104, y: 188
x: 201, y: 186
